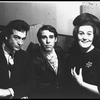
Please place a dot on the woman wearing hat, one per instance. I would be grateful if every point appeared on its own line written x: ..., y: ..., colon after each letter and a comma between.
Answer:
x: 84, y: 59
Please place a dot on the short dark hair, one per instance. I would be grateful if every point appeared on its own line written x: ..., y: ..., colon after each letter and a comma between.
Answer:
x: 86, y: 19
x: 46, y: 27
x: 19, y: 25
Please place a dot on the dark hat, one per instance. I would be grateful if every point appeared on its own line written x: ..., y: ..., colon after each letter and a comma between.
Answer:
x: 84, y: 18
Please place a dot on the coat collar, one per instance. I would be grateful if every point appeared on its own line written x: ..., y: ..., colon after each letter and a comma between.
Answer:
x: 45, y: 65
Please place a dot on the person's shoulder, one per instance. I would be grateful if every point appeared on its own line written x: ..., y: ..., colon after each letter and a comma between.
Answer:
x: 58, y: 49
x: 60, y: 52
x: 33, y: 49
x: 22, y: 52
x: 97, y: 50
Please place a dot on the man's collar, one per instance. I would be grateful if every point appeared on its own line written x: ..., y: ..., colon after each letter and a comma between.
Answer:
x: 7, y: 51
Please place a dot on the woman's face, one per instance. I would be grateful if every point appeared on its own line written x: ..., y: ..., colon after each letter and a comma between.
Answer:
x: 85, y: 36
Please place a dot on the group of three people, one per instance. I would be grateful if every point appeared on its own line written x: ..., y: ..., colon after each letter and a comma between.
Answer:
x: 46, y: 72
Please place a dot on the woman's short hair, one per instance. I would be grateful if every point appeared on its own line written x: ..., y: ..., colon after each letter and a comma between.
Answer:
x: 86, y: 19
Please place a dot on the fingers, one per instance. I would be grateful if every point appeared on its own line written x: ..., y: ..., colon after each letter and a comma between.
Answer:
x: 80, y: 71
x: 74, y: 69
x: 73, y: 72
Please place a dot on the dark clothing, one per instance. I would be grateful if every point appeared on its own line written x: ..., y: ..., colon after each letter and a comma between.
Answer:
x: 19, y: 73
x: 90, y: 64
x: 50, y: 85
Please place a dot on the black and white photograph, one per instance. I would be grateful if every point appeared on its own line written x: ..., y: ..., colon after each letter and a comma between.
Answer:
x: 49, y: 49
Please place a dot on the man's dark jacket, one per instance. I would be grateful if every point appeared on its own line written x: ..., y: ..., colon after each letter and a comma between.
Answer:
x: 49, y: 84
x: 20, y: 73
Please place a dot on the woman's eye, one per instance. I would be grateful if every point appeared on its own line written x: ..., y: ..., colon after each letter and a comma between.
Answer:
x: 43, y: 37
x: 89, y: 33
x: 81, y: 33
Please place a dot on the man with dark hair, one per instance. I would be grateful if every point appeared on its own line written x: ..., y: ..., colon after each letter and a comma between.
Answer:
x: 14, y: 62
x: 48, y: 62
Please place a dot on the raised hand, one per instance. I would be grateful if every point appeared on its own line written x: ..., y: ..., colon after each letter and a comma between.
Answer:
x: 79, y: 78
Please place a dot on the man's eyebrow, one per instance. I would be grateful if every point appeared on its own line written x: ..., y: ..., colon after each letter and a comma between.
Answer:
x: 19, y: 36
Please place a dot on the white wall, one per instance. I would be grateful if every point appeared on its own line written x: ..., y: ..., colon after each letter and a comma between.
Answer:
x: 58, y: 14
x: 66, y: 12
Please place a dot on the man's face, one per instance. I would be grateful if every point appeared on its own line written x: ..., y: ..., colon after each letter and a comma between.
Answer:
x: 16, y: 40
x: 48, y: 40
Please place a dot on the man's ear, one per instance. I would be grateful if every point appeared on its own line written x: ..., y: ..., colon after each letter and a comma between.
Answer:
x: 6, y: 37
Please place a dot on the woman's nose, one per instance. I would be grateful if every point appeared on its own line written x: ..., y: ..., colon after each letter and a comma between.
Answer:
x: 84, y: 37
